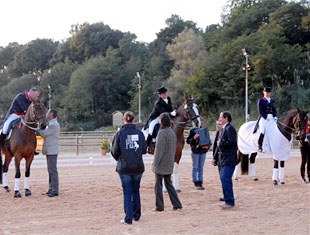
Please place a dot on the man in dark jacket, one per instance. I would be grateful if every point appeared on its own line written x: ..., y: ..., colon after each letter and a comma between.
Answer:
x: 162, y: 105
x: 18, y: 108
x: 227, y: 144
x: 128, y: 145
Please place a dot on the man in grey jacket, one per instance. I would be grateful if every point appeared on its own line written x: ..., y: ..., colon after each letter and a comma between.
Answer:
x: 51, y: 150
x: 163, y: 163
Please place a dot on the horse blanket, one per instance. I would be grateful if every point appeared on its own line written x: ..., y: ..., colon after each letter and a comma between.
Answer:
x: 275, y: 143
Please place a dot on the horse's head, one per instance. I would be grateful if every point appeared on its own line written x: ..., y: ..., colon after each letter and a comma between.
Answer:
x: 299, y: 122
x: 192, y: 111
x: 38, y: 114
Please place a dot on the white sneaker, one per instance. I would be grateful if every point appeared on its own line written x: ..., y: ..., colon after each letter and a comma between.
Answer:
x: 123, y: 222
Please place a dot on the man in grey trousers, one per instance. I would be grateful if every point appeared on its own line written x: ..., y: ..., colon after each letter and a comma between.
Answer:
x: 163, y: 163
x: 51, y: 150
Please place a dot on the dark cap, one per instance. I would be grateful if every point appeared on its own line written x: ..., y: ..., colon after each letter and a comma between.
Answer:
x: 162, y: 90
x: 267, y: 89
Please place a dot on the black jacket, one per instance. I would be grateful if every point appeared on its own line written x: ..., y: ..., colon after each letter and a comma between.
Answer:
x: 228, y: 146
x: 194, y: 142
x: 19, y: 105
x: 161, y: 107
x: 128, y: 145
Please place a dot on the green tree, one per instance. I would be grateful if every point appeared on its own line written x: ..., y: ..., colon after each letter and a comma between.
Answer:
x: 187, y: 51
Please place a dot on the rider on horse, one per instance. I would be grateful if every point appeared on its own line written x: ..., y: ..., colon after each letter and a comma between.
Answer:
x: 162, y: 105
x: 18, y: 108
x: 267, y: 111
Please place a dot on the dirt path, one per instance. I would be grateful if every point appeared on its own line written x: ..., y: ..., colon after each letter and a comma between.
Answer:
x: 90, y: 202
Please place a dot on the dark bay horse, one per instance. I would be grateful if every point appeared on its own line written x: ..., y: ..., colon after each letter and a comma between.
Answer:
x: 293, y: 120
x: 22, y: 144
x: 304, y: 145
x: 187, y: 112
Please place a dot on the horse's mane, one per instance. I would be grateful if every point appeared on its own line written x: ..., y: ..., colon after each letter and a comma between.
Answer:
x: 290, y: 112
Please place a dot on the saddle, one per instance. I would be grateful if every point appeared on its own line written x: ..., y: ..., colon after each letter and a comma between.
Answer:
x: 11, y: 127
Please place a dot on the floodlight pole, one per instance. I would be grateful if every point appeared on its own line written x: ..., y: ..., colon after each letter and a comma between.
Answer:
x: 246, y: 55
x: 49, y: 96
x: 139, y: 102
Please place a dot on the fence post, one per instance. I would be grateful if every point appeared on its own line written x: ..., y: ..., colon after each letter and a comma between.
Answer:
x: 77, y: 144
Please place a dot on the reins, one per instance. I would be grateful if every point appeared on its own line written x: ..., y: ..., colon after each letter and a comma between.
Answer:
x: 26, y: 124
x: 290, y: 128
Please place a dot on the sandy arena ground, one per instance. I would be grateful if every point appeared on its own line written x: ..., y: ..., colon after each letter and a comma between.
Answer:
x: 91, y: 202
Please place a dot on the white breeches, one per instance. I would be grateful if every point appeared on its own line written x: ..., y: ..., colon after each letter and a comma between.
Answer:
x: 152, y: 125
x: 6, y: 125
x: 263, y: 122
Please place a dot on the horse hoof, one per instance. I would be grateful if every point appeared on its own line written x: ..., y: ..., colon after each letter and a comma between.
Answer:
x: 255, y: 179
x: 6, y: 188
x: 17, y: 194
x: 178, y: 190
x: 282, y: 183
x: 27, y: 192
x: 275, y: 183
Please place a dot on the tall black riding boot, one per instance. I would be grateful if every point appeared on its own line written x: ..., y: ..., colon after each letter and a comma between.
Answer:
x: 148, y: 140
x: 2, y: 139
x: 260, y: 142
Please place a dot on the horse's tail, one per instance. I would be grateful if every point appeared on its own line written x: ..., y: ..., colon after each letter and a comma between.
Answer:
x: 244, y: 162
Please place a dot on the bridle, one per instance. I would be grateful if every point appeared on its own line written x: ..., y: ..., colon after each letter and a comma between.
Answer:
x: 297, y: 124
x: 192, y: 108
x: 34, y: 120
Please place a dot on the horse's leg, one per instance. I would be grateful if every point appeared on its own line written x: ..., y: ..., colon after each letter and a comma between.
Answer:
x: 281, y: 173
x: 17, y: 177
x: 236, y: 171
x: 275, y: 172
x: 303, y: 162
x: 5, y: 168
x: 252, y: 166
x: 176, y: 177
x: 27, y: 176
x: 244, y: 162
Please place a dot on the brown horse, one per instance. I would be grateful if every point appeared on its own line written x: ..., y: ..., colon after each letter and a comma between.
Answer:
x: 187, y: 112
x: 22, y: 144
x: 294, y: 120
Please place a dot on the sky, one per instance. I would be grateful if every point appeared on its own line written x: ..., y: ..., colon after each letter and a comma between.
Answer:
x: 25, y: 20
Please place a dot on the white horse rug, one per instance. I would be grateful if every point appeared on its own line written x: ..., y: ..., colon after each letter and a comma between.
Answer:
x: 274, y: 143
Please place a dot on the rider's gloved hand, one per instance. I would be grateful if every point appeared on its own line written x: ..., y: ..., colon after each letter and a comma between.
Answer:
x: 269, y: 117
x: 173, y: 113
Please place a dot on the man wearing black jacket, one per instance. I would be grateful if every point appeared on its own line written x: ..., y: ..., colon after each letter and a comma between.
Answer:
x: 128, y: 146
x: 227, y: 144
